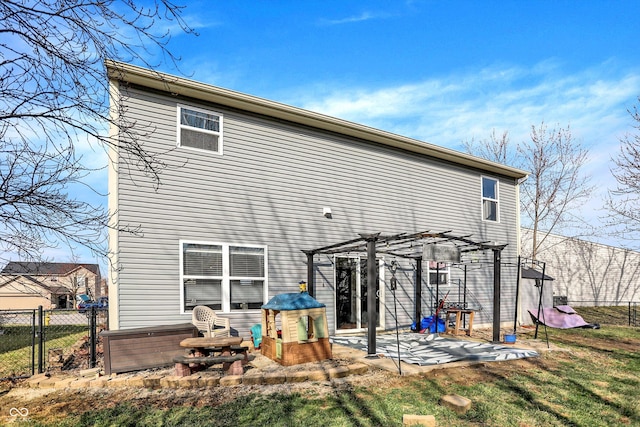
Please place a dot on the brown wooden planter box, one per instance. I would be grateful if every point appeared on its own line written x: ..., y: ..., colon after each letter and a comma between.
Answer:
x: 144, y: 348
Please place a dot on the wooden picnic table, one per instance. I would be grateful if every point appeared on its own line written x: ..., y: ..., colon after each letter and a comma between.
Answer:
x: 210, y: 342
x: 210, y: 351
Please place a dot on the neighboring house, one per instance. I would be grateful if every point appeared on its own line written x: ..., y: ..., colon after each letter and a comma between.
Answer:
x: 27, y: 285
x: 588, y: 273
x: 249, y: 184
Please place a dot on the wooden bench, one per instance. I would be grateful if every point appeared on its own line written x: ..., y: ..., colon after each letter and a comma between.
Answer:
x: 208, y: 351
x: 188, y: 364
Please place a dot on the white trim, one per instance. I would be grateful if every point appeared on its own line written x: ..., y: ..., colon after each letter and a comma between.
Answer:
x: 381, y: 296
x: 189, y: 88
x: 112, y: 203
x: 179, y: 126
x: 496, y: 200
x: 226, y: 278
x: 446, y: 270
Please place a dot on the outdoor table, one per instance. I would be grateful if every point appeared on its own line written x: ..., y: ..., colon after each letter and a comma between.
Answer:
x: 204, y: 351
x: 202, y: 343
x: 457, y: 327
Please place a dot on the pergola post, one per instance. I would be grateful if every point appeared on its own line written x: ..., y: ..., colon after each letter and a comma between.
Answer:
x: 418, y: 312
x: 497, y: 255
x: 372, y: 280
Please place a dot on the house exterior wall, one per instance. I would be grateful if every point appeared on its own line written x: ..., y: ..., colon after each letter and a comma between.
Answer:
x: 22, y: 293
x: 269, y: 188
x: 589, y: 273
x: 82, y: 281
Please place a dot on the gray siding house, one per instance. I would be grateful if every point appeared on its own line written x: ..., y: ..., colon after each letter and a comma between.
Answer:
x: 249, y: 184
x: 588, y: 273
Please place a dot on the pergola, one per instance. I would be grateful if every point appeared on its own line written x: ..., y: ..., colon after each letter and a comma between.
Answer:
x: 410, y: 246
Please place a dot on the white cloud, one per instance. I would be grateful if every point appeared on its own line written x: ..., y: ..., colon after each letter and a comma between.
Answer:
x: 450, y: 109
x: 457, y: 107
x: 364, y: 16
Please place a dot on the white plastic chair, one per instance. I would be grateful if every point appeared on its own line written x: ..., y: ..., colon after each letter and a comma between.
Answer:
x: 209, y: 324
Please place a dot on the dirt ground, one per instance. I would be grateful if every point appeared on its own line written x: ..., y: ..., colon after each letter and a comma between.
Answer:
x: 49, y: 405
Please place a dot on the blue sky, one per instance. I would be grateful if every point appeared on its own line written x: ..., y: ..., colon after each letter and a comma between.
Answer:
x: 438, y: 71
x: 442, y: 72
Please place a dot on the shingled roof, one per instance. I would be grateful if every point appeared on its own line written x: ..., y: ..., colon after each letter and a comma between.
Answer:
x: 46, y: 268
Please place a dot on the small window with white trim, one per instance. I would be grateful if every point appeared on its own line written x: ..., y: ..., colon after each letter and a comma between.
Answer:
x: 199, y: 129
x: 490, y: 199
x: 438, y: 273
x: 222, y: 276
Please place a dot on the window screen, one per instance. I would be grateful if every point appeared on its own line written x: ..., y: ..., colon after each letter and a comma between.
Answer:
x: 203, y: 292
x: 202, y: 260
x: 246, y: 262
x: 247, y: 294
x: 199, y: 129
x: 489, y: 199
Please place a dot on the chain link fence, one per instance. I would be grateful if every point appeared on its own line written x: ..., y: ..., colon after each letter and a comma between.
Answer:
x: 35, y: 341
x: 619, y: 313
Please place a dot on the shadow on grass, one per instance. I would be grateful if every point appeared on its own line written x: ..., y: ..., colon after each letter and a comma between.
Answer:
x: 560, y: 389
x: 631, y: 412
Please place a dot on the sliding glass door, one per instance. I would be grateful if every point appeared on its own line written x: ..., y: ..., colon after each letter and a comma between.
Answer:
x: 351, y: 294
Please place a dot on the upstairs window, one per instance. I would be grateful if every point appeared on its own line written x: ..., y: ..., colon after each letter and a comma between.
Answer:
x: 489, y: 199
x: 199, y: 129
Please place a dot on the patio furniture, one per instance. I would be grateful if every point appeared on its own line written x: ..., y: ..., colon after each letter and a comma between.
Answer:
x: 256, y: 335
x: 205, y: 351
x: 457, y: 326
x: 207, y: 322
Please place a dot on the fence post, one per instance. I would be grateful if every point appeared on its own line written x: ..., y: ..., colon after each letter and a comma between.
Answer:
x: 629, y: 313
x: 33, y: 342
x: 92, y: 338
x: 40, y: 334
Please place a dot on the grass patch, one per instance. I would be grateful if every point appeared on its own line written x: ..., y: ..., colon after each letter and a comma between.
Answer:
x: 608, y: 315
x: 594, y: 382
x: 16, y: 345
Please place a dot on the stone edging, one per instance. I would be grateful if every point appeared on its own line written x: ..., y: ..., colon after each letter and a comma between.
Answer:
x: 197, y: 380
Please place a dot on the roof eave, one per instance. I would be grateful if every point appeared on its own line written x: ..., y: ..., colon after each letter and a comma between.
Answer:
x: 197, y: 90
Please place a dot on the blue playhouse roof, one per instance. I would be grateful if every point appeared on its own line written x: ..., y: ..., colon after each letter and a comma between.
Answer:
x: 293, y: 301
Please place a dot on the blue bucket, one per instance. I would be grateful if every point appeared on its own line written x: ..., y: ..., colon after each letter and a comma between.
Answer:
x: 509, y: 338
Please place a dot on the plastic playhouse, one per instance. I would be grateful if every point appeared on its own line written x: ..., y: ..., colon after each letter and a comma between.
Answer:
x: 294, y: 329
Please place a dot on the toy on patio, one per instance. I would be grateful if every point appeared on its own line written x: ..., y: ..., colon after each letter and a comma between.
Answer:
x: 303, y: 336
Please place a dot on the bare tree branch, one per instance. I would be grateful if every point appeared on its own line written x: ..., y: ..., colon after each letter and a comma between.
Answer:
x: 555, y: 184
x: 624, y: 200
x: 54, y: 98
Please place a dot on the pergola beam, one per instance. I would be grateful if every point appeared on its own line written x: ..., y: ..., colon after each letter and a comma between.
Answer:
x: 370, y: 243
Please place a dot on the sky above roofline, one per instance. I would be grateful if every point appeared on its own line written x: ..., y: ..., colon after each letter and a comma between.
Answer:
x: 440, y: 72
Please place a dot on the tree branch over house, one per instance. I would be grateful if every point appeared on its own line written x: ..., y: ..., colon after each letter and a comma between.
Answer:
x: 54, y: 105
x: 556, y: 184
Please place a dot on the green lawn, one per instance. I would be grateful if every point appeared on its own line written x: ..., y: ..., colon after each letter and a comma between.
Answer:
x: 595, y: 382
x: 610, y: 315
x: 16, y: 343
